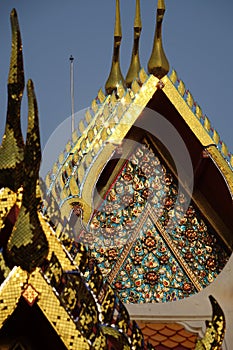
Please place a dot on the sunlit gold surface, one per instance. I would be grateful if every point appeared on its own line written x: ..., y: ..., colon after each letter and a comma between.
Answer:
x: 115, y: 76
x: 44, y: 261
x: 56, y: 314
x: 200, y: 132
x: 119, y: 130
x: 27, y: 245
x: 222, y: 166
x: 11, y: 150
x: 158, y: 64
x: 10, y: 292
x: 135, y: 64
x: 215, y: 329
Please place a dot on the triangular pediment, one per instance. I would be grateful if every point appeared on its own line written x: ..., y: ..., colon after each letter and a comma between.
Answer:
x: 150, y: 238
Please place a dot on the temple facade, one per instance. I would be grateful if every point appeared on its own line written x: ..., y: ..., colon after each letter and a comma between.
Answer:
x: 127, y: 244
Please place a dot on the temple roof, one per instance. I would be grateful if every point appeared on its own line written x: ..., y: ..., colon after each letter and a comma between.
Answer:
x: 114, y: 117
x: 40, y: 262
x: 170, y: 335
x: 60, y: 282
x: 109, y: 120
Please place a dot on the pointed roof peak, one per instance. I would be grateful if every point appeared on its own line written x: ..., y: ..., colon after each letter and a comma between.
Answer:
x: 161, y: 5
x: 115, y: 76
x: 135, y: 65
x: 16, y: 74
x: 12, y: 148
x: 117, y: 31
x: 32, y: 155
x: 13, y: 12
x: 158, y: 64
x: 137, y: 19
x: 27, y: 245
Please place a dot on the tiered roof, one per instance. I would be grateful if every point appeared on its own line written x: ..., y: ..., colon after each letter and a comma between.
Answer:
x: 40, y: 262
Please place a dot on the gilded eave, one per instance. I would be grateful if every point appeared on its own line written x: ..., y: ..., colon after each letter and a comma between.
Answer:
x: 10, y: 292
x: 108, y: 121
x: 191, y: 113
x: 13, y: 289
x: 17, y: 282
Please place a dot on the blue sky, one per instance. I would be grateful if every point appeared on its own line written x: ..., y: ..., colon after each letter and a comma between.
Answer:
x: 197, y: 38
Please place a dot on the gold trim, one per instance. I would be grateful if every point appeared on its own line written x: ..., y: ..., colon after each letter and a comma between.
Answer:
x: 56, y: 314
x: 128, y: 246
x: 119, y: 131
x: 185, y: 112
x: 199, y: 131
x: 10, y: 292
x: 175, y: 251
x: 222, y: 166
x: 115, y: 76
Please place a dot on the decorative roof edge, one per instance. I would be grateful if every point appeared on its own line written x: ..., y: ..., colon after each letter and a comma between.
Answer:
x: 101, y: 125
x: 202, y: 118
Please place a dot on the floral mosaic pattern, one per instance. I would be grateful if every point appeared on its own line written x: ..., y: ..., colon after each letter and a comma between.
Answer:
x: 151, y: 273
x: 152, y: 270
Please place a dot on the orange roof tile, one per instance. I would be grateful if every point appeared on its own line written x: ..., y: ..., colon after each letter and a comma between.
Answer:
x: 168, y: 332
x: 156, y: 326
x: 184, y: 333
x: 174, y: 326
x: 161, y: 338
x: 177, y: 338
x: 188, y: 344
x: 168, y: 336
x: 154, y: 342
x: 170, y: 344
x: 148, y: 331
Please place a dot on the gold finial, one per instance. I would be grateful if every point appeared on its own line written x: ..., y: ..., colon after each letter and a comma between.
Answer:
x: 27, y: 245
x: 135, y: 65
x: 137, y: 20
x: 117, y: 31
x: 158, y: 64
x: 11, y: 150
x: 115, y: 76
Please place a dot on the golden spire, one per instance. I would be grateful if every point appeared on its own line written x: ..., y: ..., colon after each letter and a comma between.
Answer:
x: 158, y: 64
x: 115, y: 76
x: 117, y: 31
x: 32, y: 153
x: 11, y: 150
x: 27, y: 246
x: 135, y: 65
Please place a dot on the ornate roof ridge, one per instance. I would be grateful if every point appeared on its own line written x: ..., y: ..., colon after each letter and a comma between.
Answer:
x: 100, y: 120
x: 203, y: 119
x: 57, y: 282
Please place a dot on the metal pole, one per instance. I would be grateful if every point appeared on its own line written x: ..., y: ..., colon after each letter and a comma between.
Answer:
x: 72, y: 92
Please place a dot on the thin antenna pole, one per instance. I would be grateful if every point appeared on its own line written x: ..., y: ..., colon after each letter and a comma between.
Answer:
x: 72, y: 92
